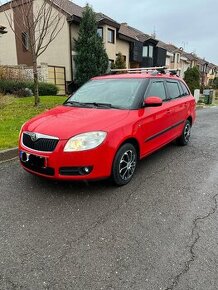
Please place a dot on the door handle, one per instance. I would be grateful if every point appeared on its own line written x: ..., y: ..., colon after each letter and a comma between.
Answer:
x: 168, y: 111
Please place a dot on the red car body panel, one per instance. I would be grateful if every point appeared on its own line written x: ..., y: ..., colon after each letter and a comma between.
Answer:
x: 150, y: 127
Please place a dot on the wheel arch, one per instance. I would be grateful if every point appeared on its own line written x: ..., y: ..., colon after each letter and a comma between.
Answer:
x: 190, y: 120
x: 132, y: 141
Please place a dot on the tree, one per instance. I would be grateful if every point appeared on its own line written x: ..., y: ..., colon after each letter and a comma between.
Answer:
x: 215, y: 83
x: 192, y: 78
x: 91, y: 58
x: 37, y: 27
x: 119, y: 62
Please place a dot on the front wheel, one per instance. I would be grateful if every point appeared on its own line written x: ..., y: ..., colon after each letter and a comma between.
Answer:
x: 124, y: 164
x: 186, y: 133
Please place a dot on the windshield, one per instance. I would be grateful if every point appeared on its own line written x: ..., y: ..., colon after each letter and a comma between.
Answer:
x: 111, y: 93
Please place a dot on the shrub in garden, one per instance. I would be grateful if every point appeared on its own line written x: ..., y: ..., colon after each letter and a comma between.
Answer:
x: 17, y: 87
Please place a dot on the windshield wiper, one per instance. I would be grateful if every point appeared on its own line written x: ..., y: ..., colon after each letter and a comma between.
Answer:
x: 76, y: 104
x: 99, y: 104
x: 91, y: 104
x: 103, y: 105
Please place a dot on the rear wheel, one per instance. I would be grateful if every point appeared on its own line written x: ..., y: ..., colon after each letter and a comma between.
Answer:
x: 186, y: 133
x: 124, y: 164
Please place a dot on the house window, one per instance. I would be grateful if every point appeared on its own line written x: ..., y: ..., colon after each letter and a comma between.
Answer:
x: 25, y: 40
x: 178, y: 58
x: 100, y: 32
x: 148, y: 51
x: 111, y: 34
x: 151, y: 51
x: 145, y: 51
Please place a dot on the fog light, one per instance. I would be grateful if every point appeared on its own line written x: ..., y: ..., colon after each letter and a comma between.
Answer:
x: 87, y: 169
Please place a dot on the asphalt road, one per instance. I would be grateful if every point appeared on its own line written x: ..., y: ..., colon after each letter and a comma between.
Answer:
x: 158, y: 232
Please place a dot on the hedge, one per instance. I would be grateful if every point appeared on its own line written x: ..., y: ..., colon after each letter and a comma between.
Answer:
x: 12, y: 86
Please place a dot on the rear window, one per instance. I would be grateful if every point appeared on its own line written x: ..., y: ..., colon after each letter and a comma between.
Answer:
x: 184, y: 89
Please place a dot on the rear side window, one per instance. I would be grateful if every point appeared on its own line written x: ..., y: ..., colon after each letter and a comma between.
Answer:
x: 174, y: 90
x: 157, y: 89
x: 184, y: 89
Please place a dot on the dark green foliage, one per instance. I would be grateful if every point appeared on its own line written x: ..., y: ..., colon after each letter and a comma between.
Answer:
x: 91, y: 59
x: 16, y: 87
x: 215, y: 83
x: 120, y: 62
x: 192, y: 78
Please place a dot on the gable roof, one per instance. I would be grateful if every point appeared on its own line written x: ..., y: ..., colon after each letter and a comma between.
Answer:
x: 72, y: 9
x: 134, y: 33
x: 69, y: 7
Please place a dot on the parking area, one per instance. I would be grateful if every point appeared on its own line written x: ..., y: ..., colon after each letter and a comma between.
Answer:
x: 157, y: 232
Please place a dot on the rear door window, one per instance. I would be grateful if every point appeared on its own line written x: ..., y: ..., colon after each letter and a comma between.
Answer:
x: 174, y: 90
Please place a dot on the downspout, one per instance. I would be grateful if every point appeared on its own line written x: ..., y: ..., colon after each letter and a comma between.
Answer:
x: 71, y: 61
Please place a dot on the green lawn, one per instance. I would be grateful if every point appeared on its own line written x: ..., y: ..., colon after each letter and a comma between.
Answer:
x: 15, y: 111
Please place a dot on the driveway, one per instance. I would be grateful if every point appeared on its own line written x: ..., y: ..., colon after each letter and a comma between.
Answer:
x: 158, y: 232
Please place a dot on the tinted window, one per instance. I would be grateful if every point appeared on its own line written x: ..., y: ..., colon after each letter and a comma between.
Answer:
x: 157, y: 89
x: 111, y: 35
x: 173, y: 89
x: 184, y: 89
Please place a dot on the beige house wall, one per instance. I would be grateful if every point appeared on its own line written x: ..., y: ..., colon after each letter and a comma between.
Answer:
x: 110, y: 47
x: 123, y: 47
x: 58, y: 52
x: 8, y: 53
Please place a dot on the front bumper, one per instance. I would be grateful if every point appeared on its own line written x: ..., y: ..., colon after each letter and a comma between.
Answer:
x: 72, y: 165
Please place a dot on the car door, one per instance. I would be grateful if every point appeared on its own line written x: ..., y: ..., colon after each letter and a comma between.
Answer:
x: 156, y: 121
x: 178, y: 105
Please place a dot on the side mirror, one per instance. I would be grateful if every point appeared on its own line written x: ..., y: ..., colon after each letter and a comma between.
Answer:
x: 153, y: 102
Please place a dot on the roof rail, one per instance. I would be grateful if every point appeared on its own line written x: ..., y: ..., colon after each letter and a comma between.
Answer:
x: 140, y: 69
x: 157, y: 69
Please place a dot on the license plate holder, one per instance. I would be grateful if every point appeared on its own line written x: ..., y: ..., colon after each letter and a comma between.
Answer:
x: 33, y: 160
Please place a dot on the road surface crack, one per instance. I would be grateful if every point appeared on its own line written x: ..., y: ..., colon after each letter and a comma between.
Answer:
x: 195, y: 236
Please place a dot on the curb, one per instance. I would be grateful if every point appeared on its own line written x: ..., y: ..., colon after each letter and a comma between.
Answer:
x: 6, y: 155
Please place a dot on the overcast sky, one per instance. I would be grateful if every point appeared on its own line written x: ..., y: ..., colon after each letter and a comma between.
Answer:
x: 192, y: 24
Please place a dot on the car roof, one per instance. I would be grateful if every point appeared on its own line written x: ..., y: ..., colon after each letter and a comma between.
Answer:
x: 146, y: 75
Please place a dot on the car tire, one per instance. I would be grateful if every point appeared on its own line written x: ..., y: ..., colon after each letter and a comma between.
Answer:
x: 186, y: 133
x: 124, y: 164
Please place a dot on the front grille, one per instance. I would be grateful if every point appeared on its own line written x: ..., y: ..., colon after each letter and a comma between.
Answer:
x: 41, y: 144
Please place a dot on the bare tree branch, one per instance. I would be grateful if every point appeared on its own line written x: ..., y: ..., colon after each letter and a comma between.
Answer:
x: 42, y: 23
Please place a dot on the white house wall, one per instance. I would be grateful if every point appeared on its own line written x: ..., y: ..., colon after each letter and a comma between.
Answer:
x: 8, y: 53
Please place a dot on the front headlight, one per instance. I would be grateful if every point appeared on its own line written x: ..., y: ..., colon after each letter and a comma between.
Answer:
x: 21, y: 129
x: 85, y: 141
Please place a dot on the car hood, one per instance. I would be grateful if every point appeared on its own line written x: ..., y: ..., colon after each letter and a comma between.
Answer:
x: 64, y: 122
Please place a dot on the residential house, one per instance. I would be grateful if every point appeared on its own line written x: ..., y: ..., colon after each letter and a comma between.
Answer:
x: 139, y: 49
x: 60, y: 53
x: 175, y: 58
x: 144, y: 51
x: 212, y: 72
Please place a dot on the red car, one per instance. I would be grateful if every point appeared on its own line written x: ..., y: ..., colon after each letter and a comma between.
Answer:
x: 109, y: 124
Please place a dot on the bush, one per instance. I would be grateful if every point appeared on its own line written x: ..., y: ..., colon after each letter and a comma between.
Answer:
x: 192, y: 78
x: 21, y: 93
x: 12, y: 87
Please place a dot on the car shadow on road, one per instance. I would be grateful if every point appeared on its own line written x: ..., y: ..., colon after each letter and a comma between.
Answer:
x: 146, y: 166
